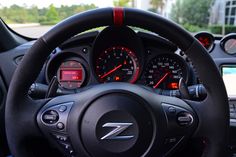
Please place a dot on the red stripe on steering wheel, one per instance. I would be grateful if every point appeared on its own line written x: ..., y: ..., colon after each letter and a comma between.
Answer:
x: 118, y: 16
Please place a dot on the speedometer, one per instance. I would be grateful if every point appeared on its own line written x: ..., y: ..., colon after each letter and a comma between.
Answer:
x: 117, y: 64
x: 165, y: 71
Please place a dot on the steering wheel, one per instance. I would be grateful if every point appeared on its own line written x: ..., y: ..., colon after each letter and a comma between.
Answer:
x: 116, y: 119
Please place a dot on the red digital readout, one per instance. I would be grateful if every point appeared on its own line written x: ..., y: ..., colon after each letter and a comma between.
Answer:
x: 71, y: 75
x: 173, y: 85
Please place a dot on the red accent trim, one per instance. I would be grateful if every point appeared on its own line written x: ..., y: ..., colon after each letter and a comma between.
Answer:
x: 118, y: 16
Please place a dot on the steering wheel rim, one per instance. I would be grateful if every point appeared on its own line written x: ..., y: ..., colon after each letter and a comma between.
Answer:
x: 19, y: 106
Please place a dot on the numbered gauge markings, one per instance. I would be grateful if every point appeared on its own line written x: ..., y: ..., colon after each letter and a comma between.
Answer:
x: 165, y: 71
x: 117, y: 64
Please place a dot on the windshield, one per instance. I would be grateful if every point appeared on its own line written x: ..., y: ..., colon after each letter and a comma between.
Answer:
x: 33, y: 18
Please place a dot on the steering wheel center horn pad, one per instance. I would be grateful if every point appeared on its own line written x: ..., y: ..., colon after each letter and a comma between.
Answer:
x: 116, y: 119
x: 117, y: 123
x: 119, y: 119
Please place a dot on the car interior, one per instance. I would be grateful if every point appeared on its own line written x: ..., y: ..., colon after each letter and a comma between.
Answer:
x: 139, y: 86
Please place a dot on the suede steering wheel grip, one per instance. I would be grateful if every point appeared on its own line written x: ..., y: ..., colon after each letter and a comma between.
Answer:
x: 21, y: 111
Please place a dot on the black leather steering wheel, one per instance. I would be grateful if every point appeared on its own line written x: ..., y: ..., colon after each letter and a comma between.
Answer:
x: 116, y: 119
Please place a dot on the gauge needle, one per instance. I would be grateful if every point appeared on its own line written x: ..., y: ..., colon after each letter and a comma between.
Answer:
x: 111, y: 71
x: 161, y: 80
x: 233, y: 44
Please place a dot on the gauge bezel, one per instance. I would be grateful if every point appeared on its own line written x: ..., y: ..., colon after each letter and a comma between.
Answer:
x: 176, y: 57
x: 224, y: 41
x: 134, y: 58
x: 117, y: 34
x: 83, y: 75
x: 54, y: 63
x: 204, y: 33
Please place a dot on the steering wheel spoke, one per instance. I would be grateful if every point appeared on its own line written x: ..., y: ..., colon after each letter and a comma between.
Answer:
x: 53, y: 122
x: 208, y: 122
x: 201, y: 108
x: 25, y: 128
x: 31, y: 109
x: 177, y: 119
x: 26, y: 112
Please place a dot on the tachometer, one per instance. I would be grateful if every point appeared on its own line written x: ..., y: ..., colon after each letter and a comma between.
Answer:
x: 165, y: 71
x: 117, y: 64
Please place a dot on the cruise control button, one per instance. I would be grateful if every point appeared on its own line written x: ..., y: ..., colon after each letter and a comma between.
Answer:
x: 184, y: 119
x: 50, y: 117
x: 61, y: 138
x: 60, y: 126
x: 62, y: 108
x: 171, y: 110
x: 84, y: 50
x: 66, y: 146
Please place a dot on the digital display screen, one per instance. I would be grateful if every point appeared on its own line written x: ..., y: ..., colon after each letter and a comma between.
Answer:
x: 229, y: 77
x: 71, y: 75
x: 173, y: 85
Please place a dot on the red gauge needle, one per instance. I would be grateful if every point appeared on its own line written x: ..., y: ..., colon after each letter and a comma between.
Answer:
x: 233, y: 44
x: 161, y: 80
x: 111, y: 71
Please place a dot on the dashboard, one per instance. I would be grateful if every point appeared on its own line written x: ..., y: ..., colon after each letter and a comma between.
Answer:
x: 127, y: 54
x: 138, y: 57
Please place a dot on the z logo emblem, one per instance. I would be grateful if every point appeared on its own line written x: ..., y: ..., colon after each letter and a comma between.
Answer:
x: 118, y: 129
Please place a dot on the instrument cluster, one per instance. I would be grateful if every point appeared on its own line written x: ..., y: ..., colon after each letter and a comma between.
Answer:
x: 118, y: 55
